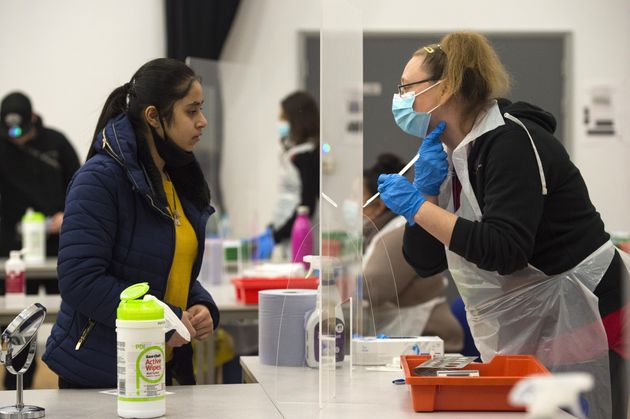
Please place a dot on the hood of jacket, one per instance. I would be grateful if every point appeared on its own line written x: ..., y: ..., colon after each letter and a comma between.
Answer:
x: 530, y: 112
x: 118, y: 141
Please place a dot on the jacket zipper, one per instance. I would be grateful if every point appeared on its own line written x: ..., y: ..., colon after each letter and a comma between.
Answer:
x: 110, y: 151
x: 86, y: 331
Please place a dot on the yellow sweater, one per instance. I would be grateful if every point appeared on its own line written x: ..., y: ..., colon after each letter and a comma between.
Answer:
x: 184, y: 257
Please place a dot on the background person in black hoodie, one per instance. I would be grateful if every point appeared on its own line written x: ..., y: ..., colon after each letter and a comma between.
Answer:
x: 36, y: 165
x: 513, y: 221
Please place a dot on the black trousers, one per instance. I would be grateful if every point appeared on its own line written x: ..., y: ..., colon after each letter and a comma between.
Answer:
x: 612, y: 293
x: 619, y: 373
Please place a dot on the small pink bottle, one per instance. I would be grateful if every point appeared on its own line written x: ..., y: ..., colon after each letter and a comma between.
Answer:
x: 301, y: 236
x: 15, y: 281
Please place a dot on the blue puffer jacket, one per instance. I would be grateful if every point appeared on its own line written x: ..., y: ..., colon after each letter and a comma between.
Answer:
x: 114, y: 234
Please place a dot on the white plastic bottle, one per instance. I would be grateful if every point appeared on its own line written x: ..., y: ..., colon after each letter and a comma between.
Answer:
x: 329, y: 293
x: 15, y: 281
x: 34, y: 236
x: 211, y: 272
x: 140, y: 328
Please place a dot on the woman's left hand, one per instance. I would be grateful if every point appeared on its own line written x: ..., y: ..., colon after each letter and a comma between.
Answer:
x: 201, y: 320
x: 431, y: 168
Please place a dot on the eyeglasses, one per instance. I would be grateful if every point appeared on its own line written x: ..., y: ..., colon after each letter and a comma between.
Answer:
x: 402, y: 87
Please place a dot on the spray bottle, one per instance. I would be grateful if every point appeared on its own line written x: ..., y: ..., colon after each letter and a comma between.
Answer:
x: 328, y: 308
x: 140, y: 328
x: 544, y: 395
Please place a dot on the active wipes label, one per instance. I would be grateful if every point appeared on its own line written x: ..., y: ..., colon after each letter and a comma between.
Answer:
x: 141, y: 367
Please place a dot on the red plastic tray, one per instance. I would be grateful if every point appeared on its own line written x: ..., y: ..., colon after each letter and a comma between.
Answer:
x: 247, y: 288
x: 489, y: 391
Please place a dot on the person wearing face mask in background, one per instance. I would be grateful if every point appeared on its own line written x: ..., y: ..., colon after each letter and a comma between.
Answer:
x: 511, y: 220
x: 403, y: 303
x: 36, y: 165
x: 135, y: 212
x: 298, y: 130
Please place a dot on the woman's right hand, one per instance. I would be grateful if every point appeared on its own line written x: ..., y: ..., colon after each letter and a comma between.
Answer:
x: 176, y: 340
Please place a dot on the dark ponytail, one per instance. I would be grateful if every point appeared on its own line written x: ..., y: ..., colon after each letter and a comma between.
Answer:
x: 386, y: 163
x: 302, y: 113
x: 114, y: 105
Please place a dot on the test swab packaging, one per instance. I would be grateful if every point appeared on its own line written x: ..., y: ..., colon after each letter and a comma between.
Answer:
x: 371, y: 350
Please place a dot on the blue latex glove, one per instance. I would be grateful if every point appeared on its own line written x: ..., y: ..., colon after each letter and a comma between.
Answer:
x: 400, y: 196
x: 431, y: 168
x: 264, y: 244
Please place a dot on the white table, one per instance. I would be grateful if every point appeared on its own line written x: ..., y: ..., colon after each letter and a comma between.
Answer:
x: 218, y: 401
x: 45, y: 270
x: 224, y: 296
x: 365, y: 394
x: 51, y: 302
x: 230, y: 309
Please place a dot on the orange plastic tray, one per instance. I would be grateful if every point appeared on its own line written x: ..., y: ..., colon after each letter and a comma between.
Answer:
x: 247, y: 288
x: 489, y: 391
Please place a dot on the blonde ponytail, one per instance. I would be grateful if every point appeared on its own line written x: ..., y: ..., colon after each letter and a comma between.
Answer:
x: 469, y: 67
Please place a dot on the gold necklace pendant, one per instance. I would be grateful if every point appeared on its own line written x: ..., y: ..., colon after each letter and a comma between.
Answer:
x: 176, y: 218
x: 174, y: 213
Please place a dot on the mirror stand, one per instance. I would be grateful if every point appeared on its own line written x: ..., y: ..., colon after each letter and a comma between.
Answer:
x: 21, y: 332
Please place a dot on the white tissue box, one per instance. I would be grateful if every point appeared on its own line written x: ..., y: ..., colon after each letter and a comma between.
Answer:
x: 275, y: 270
x: 369, y: 350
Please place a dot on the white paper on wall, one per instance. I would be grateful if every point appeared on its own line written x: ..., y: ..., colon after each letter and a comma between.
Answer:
x: 599, y: 112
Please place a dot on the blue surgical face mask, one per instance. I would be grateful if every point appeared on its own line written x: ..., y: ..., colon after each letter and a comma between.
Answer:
x: 412, y: 122
x: 283, y: 129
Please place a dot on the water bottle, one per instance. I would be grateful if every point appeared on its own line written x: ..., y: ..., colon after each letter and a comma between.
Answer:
x: 301, y: 237
x: 15, y: 281
x: 140, y: 328
x: 34, y: 236
x: 211, y: 272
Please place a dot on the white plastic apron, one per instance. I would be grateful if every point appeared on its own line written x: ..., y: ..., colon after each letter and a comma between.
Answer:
x: 555, y: 318
x: 289, y: 187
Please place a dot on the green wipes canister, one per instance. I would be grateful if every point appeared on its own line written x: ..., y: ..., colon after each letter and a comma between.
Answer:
x: 140, y: 332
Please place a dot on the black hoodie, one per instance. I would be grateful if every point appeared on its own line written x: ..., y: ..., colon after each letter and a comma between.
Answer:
x: 519, y: 225
x: 33, y: 175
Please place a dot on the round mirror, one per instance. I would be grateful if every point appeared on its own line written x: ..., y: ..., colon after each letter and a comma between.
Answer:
x: 20, y: 335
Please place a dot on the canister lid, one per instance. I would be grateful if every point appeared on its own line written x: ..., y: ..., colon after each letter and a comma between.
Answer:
x: 135, y: 291
x: 133, y: 308
x: 33, y: 216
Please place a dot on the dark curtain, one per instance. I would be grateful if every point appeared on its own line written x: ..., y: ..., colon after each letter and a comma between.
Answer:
x: 197, y: 29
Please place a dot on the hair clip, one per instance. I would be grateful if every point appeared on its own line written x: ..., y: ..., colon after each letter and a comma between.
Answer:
x: 130, y: 89
x: 431, y: 49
